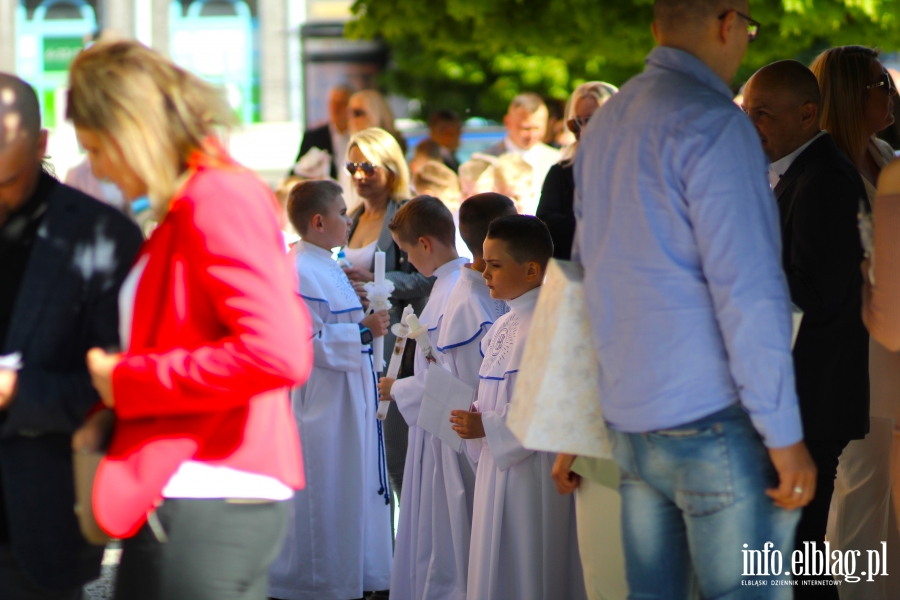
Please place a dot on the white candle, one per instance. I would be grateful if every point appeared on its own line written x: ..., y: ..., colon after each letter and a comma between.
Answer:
x: 379, y: 267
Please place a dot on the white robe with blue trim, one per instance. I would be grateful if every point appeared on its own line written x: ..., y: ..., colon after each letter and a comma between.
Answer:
x: 469, y: 315
x: 524, y: 544
x: 419, y: 532
x: 338, y: 541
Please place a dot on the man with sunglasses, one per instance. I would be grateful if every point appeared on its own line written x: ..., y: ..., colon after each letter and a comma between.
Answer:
x: 678, y: 233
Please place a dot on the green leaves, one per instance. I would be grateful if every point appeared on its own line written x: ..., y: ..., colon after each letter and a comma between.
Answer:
x: 475, y: 55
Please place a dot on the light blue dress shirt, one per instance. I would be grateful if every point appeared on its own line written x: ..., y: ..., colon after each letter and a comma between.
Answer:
x: 679, y: 236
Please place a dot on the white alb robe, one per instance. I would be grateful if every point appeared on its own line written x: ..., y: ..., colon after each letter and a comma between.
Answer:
x: 338, y: 540
x: 416, y: 537
x: 469, y: 315
x: 524, y: 544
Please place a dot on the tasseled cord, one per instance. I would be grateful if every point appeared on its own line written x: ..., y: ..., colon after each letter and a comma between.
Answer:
x: 384, y: 490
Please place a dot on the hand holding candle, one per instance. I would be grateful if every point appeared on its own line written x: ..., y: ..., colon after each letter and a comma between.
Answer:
x: 379, y: 292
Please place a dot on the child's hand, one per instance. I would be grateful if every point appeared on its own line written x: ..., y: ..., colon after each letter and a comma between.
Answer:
x: 360, y: 289
x: 467, y: 424
x: 384, y: 389
x: 566, y: 480
x: 379, y: 323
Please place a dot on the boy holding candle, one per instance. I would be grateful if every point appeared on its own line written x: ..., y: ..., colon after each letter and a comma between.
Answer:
x: 338, y: 542
x: 423, y: 229
x: 523, y: 542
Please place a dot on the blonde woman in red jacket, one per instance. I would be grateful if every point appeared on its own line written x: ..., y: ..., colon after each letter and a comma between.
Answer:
x: 204, y: 451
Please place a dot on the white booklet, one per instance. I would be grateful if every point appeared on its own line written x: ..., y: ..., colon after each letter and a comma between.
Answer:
x: 11, y: 362
x: 443, y: 393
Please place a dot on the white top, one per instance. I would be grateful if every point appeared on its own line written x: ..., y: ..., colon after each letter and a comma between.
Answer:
x: 195, y: 479
x: 364, y: 257
x: 778, y: 168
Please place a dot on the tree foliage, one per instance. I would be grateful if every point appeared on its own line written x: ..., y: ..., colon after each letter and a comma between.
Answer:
x: 475, y: 55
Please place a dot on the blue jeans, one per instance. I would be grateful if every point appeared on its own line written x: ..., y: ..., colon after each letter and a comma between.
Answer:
x: 692, y: 497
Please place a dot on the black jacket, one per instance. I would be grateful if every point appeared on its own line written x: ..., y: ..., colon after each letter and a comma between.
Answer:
x: 557, y: 210
x: 818, y: 199
x: 67, y: 303
x: 319, y: 137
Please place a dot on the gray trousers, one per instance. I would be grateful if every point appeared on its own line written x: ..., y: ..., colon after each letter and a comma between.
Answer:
x: 216, y: 550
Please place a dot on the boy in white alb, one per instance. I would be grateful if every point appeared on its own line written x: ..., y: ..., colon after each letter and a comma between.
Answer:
x: 524, y: 544
x: 469, y: 315
x: 338, y: 542
x: 423, y: 229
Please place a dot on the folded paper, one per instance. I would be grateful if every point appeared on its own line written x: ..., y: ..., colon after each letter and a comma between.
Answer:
x: 443, y: 393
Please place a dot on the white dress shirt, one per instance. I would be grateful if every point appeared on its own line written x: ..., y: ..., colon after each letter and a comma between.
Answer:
x: 778, y: 168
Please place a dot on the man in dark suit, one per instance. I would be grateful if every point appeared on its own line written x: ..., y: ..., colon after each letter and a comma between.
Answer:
x: 63, y: 256
x: 818, y: 191
x: 445, y: 129
x: 332, y: 137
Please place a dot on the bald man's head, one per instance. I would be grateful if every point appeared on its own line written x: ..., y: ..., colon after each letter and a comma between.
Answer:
x: 20, y: 113
x: 784, y: 102
x: 790, y: 77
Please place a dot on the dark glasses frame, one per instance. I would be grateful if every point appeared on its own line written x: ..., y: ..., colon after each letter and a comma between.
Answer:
x: 366, y: 167
x: 577, y: 124
x: 886, y: 82
x: 753, y: 27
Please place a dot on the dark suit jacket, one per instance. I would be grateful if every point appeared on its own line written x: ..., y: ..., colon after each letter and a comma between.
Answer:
x: 319, y: 137
x: 67, y: 304
x: 556, y: 209
x: 818, y: 198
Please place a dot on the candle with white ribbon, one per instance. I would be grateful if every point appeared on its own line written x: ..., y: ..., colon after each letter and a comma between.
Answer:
x: 379, y: 293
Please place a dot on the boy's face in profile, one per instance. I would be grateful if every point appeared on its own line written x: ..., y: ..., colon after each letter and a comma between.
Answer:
x: 506, y: 278
x: 419, y: 254
x: 336, y: 223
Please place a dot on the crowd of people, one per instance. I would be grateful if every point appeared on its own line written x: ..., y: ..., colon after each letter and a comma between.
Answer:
x: 220, y: 363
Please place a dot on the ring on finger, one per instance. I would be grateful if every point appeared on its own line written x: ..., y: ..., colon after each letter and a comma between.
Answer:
x: 798, y: 490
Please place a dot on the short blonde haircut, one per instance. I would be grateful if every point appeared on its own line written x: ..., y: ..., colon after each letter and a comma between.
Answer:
x: 436, y: 179
x: 380, y: 113
x: 152, y: 113
x: 843, y: 74
x: 382, y: 150
x: 599, y: 91
x: 513, y: 177
x: 469, y: 173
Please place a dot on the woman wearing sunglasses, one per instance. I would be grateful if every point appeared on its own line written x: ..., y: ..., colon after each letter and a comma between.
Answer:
x: 558, y: 193
x: 381, y: 179
x: 368, y: 108
x: 857, y: 102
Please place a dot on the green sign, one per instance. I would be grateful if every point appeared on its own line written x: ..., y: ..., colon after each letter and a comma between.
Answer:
x: 59, y: 52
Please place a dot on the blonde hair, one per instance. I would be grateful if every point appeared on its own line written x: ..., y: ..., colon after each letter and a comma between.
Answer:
x: 382, y: 150
x: 380, y: 113
x: 843, y: 74
x: 599, y: 91
x: 469, y: 173
x: 150, y: 112
x: 436, y: 179
x: 512, y: 176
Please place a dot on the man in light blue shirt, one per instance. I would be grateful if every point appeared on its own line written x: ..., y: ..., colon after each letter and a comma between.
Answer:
x: 678, y: 233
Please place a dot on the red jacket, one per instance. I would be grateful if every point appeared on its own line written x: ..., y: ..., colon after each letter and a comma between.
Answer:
x: 218, y: 336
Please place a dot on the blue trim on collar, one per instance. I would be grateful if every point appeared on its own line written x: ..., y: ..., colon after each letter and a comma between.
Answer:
x: 468, y: 341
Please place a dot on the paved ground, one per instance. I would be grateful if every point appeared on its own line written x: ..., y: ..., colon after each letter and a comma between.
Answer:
x: 102, y: 589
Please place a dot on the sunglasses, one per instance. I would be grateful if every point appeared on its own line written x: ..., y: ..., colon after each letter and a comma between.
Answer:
x: 358, y: 113
x: 577, y: 124
x: 367, y: 168
x: 886, y: 83
x: 753, y: 27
